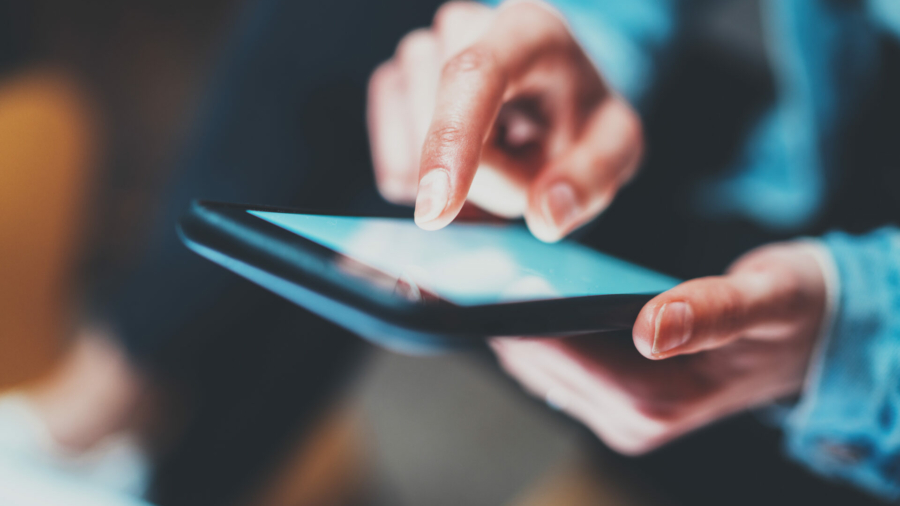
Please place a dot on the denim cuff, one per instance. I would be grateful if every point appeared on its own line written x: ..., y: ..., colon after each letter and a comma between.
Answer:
x: 845, y: 425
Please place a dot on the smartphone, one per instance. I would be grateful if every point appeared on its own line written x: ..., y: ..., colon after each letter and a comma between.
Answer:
x: 418, y: 291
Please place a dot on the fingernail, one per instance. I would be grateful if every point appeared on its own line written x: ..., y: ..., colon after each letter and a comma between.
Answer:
x: 560, y: 206
x: 433, y: 195
x: 674, y: 323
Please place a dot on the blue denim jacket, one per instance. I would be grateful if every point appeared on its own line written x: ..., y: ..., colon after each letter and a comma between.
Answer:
x: 846, y: 423
x: 823, y: 54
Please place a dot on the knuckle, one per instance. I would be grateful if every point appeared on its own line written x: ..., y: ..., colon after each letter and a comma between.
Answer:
x: 449, y: 134
x: 657, y: 412
x: 795, y: 299
x: 730, y: 310
x: 416, y: 45
x: 471, y: 60
x: 380, y: 76
x: 446, y: 136
x: 658, y: 407
x: 759, y: 260
x: 790, y: 280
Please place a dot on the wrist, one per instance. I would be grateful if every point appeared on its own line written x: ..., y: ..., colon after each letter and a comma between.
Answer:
x: 840, y: 427
x: 832, y: 286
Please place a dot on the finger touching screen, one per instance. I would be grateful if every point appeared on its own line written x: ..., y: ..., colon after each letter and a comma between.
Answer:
x: 473, y: 264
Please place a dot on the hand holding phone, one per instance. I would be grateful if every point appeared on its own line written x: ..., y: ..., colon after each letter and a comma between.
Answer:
x: 718, y: 345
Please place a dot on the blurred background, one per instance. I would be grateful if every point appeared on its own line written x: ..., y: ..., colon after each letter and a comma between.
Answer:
x: 132, y: 372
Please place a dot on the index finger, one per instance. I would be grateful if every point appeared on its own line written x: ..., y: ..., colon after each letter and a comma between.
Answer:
x: 472, y: 89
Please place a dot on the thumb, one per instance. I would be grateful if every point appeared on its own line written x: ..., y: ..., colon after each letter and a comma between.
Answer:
x: 709, y: 312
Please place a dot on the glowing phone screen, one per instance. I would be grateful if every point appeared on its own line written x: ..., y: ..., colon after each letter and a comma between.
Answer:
x: 474, y: 264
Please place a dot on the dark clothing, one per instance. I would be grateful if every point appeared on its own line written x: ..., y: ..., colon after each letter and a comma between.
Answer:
x: 282, y: 123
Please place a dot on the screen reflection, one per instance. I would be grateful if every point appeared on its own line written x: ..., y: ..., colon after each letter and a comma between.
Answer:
x: 474, y: 264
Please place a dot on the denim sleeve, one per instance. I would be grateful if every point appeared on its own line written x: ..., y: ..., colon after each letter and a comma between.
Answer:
x: 625, y: 40
x: 846, y: 424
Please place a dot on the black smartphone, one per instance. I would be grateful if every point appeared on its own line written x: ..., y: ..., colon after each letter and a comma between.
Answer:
x: 417, y: 291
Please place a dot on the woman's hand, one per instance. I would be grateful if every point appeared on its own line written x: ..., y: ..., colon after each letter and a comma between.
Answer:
x: 503, y: 107
x: 705, y: 349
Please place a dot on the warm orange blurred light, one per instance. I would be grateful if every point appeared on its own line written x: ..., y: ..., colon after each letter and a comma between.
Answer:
x: 47, y: 152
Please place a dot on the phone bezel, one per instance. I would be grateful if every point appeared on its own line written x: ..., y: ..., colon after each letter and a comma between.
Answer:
x: 229, y: 230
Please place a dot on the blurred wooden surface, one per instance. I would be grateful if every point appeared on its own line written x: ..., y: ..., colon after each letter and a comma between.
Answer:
x: 47, y: 150
x: 578, y: 482
x: 325, y: 467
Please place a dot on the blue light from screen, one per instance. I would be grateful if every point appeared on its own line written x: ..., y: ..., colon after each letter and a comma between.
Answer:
x: 474, y: 264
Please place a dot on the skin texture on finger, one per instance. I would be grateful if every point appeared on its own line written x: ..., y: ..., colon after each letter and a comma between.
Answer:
x: 419, y: 59
x: 402, y: 96
x: 575, y: 189
x: 605, y: 157
x: 473, y: 86
x: 778, y: 293
x: 393, y: 154
x: 469, y: 98
x: 483, y: 143
x: 459, y: 25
